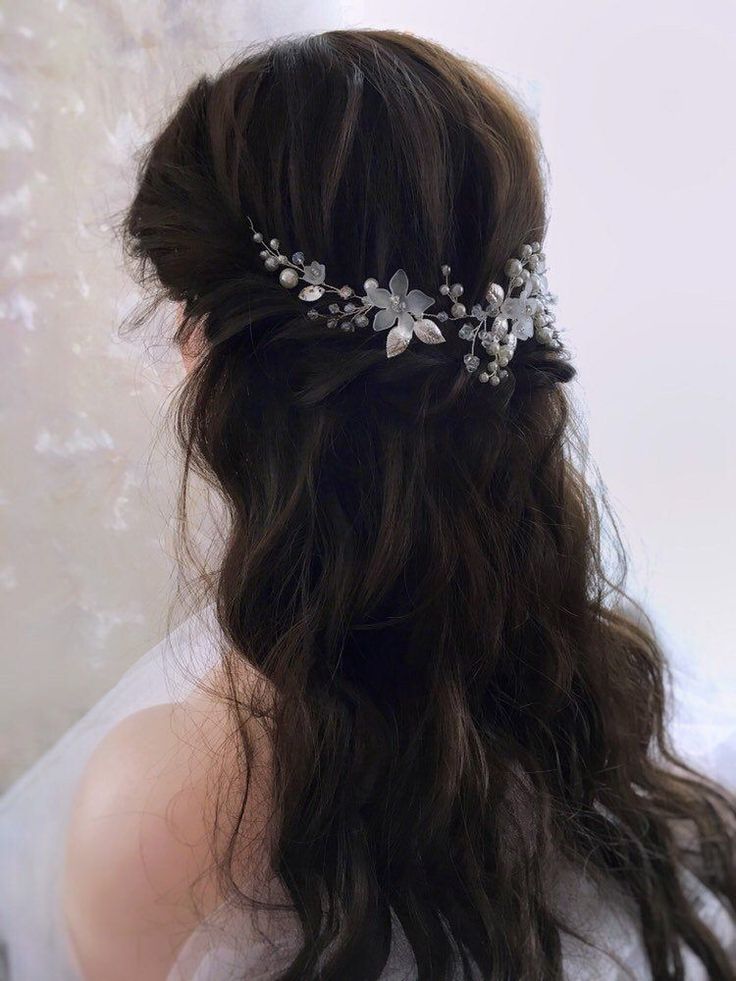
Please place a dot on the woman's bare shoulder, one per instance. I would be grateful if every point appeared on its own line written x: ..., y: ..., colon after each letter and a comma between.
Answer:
x: 159, y: 794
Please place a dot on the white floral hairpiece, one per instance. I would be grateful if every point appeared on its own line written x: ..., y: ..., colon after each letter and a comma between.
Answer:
x: 520, y: 312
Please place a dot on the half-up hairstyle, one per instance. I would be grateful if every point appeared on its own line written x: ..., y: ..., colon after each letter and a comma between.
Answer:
x: 463, y: 697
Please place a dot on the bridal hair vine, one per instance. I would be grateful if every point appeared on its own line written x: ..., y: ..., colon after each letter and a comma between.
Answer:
x: 521, y: 311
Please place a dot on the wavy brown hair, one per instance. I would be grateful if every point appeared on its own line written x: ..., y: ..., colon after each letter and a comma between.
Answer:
x: 464, y: 695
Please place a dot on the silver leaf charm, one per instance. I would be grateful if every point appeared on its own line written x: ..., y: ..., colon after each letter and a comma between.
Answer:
x: 397, y: 341
x: 428, y: 331
x: 311, y: 293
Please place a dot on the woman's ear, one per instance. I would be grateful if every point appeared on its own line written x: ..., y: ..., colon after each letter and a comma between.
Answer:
x: 192, y: 346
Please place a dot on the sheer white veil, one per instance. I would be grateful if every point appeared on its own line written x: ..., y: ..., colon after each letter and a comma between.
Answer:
x: 34, y: 812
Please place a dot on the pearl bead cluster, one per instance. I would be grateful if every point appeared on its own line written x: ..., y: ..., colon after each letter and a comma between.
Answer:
x: 521, y: 312
x: 518, y: 313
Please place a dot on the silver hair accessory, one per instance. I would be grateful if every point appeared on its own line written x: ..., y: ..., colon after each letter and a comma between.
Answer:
x: 518, y: 313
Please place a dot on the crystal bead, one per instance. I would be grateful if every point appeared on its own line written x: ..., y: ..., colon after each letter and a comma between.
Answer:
x: 361, y: 320
x: 483, y: 376
x: 334, y: 308
x: 370, y: 283
x: 312, y: 314
x: 271, y: 263
x: 442, y: 316
x: 350, y: 308
x: 346, y: 291
x: 331, y: 323
x: 495, y: 380
x: 458, y: 310
x: 347, y: 325
x: 466, y: 332
x: 471, y: 361
x: 298, y: 258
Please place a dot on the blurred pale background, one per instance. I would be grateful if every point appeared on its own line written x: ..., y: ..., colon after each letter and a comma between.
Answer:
x: 634, y: 102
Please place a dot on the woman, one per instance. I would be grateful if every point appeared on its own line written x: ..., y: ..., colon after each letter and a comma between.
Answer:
x: 434, y: 745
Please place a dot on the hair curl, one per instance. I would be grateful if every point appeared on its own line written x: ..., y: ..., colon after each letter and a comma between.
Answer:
x: 464, y: 694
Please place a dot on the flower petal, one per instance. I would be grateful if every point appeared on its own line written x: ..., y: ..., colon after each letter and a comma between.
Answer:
x: 406, y: 324
x: 417, y: 302
x: 428, y: 331
x: 314, y: 273
x: 396, y: 342
x: 384, y: 319
x: 378, y: 297
x: 399, y: 283
x: 523, y: 328
x: 513, y: 307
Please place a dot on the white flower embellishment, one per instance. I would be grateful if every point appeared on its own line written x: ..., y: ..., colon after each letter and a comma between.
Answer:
x: 397, y: 306
x: 520, y: 311
x: 314, y: 273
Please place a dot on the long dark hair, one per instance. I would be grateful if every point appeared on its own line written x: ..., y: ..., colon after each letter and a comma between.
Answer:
x: 463, y: 694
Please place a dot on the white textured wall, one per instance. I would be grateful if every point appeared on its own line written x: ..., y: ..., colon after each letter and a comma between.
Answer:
x: 635, y: 107
x: 86, y: 491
